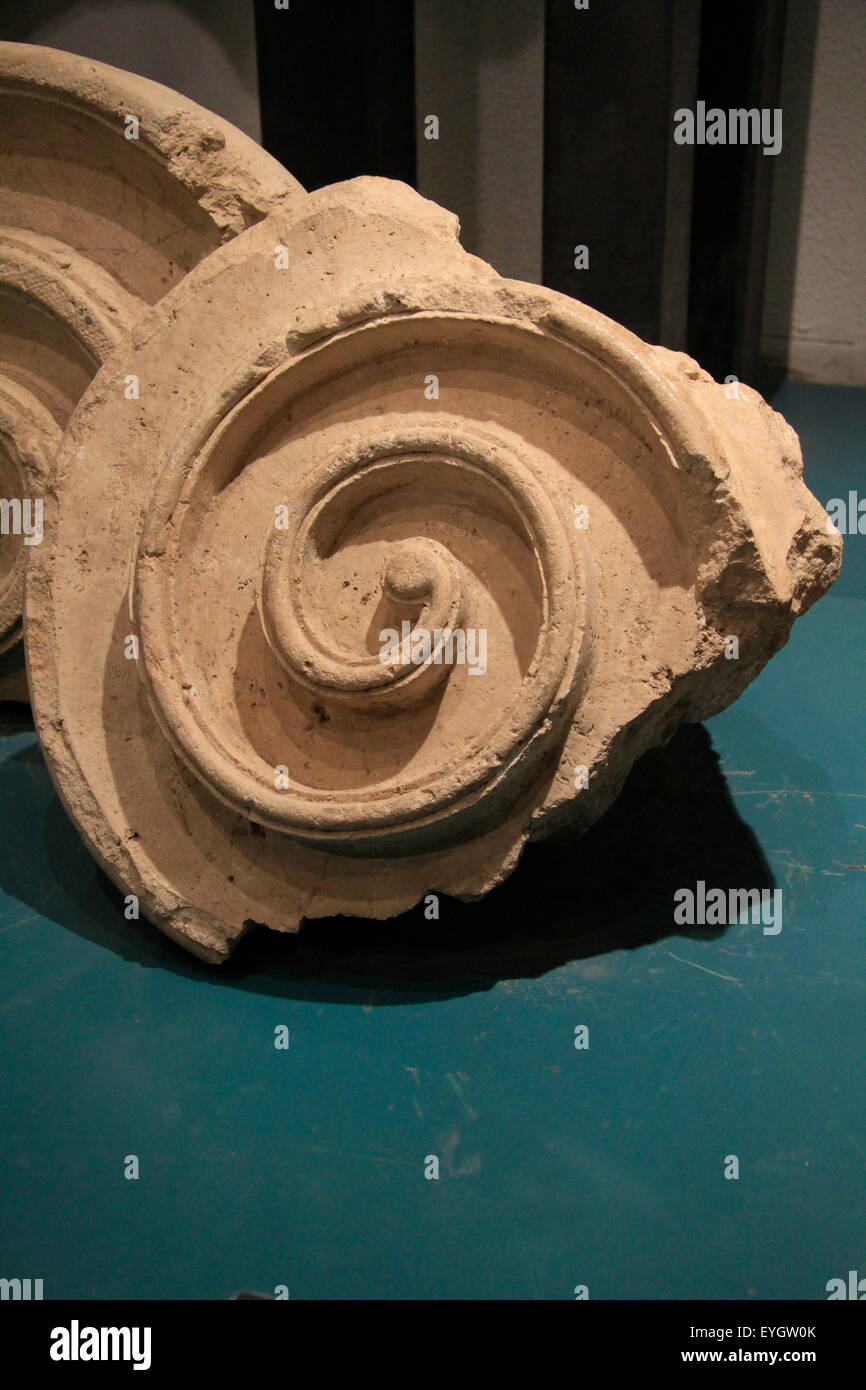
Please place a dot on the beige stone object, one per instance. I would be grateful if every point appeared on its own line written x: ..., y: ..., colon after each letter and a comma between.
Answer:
x: 111, y: 189
x: 391, y: 566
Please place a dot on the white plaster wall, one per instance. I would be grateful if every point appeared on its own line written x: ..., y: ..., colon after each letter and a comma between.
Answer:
x: 815, y: 304
x: 203, y: 48
x: 479, y: 67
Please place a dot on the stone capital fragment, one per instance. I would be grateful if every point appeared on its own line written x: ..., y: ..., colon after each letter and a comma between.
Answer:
x: 392, y: 565
x: 111, y: 188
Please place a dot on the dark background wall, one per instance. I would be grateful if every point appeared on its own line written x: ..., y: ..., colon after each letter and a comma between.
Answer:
x: 203, y: 48
x: 354, y: 80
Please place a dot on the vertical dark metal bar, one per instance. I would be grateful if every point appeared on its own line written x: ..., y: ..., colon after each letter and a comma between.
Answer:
x: 613, y: 179
x: 676, y: 234
x: 337, y: 88
x: 684, y: 56
x: 740, y: 68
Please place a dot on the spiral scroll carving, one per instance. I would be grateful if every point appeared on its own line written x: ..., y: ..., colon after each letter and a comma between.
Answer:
x: 403, y: 569
x: 379, y: 537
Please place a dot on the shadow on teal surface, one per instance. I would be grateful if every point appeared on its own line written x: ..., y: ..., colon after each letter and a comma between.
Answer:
x: 675, y: 822
x: 558, y: 1166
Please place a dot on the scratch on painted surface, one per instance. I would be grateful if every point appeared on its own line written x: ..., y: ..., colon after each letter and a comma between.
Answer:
x: 353, y: 1153
x: 458, y: 1091
x: 775, y: 792
x: 805, y: 1079
x: 718, y: 974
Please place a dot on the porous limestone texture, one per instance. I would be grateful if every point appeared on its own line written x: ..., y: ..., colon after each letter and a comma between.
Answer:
x: 345, y: 425
x: 111, y: 189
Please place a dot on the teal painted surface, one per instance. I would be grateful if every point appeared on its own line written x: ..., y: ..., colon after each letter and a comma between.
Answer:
x: 559, y: 1167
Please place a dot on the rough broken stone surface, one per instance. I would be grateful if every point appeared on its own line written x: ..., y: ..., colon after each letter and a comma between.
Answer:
x: 346, y: 423
x: 95, y: 227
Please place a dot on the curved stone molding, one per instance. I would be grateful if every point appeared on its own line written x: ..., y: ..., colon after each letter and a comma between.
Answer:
x: 352, y: 442
x: 381, y: 531
x: 111, y: 189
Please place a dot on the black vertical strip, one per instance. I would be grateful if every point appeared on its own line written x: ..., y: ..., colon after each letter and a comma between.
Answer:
x: 337, y: 88
x: 609, y: 157
x: 684, y: 56
x: 740, y: 68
